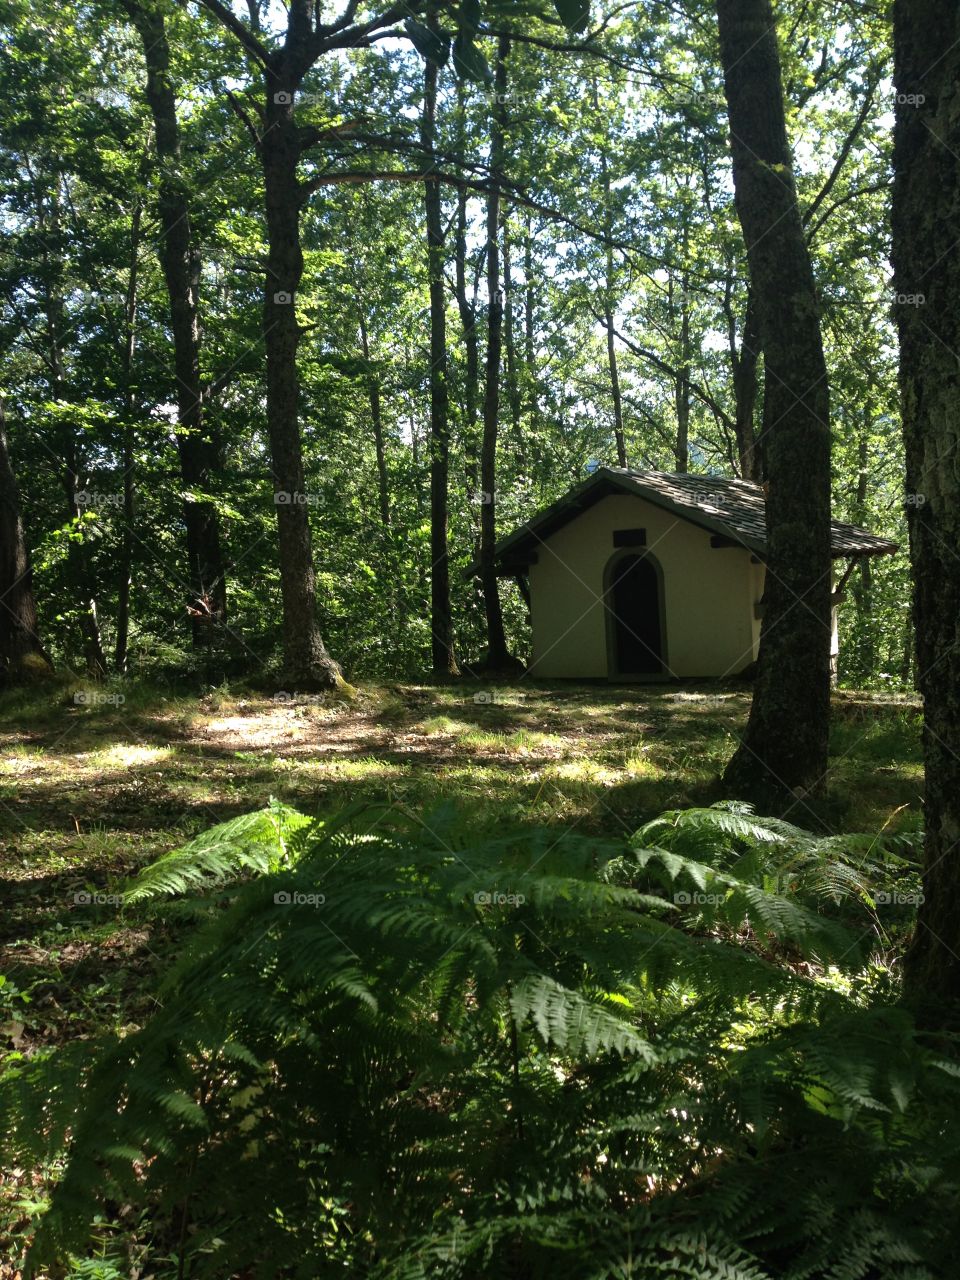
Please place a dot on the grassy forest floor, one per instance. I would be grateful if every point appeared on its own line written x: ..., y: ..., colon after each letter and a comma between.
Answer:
x: 92, y: 790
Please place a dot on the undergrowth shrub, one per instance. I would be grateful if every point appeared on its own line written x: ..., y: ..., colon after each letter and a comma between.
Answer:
x: 389, y: 1049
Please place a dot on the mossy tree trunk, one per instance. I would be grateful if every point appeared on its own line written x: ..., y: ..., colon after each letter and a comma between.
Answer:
x: 783, y: 753
x: 926, y: 233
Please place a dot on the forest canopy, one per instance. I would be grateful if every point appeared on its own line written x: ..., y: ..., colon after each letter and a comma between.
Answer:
x: 139, y: 427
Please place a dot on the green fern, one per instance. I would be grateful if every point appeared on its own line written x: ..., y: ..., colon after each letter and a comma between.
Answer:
x: 420, y: 1054
x: 253, y: 843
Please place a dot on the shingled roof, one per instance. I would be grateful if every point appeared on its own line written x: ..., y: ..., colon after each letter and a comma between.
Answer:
x: 731, y: 509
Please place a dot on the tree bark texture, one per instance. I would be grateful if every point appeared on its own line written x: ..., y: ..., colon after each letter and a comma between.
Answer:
x: 498, y: 656
x: 926, y: 232
x: 198, y: 447
x: 22, y: 656
x: 783, y: 754
x: 443, y: 658
x: 307, y: 664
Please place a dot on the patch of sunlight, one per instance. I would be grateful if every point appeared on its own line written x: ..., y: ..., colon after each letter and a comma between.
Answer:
x: 520, y: 742
x: 640, y: 764
x: 471, y: 778
x: 126, y: 754
x: 584, y: 771
x: 435, y: 726
x: 24, y: 759
x: 367, y: 767
x: 232, y: 724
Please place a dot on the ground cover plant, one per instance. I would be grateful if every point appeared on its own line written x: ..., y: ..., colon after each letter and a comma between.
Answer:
x: 669, y: 984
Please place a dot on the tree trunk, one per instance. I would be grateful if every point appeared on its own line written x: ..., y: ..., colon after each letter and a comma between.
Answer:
x: 467, y: 307
x: 197, y: 446
x: 22, y: 655
x: 529, y: 349
x: 862, y: 581
x: 618, y: 436
x: 498, y: 656
x: 510, y: 352
x: 307, y: 664
x: 744, y: 362
x: 79, y: 568
x: 681, y: 396
x: 127, y: 449
x: 783, y: 754
x: 926, y: 228
x: 443, y: 658
x: 376, y: 417
x: 608, y: 316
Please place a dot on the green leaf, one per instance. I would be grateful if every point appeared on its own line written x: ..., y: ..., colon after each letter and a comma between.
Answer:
x: 469, y: 62
x: 432, y: 45
x: 470, y: 17
x: 574, y: 14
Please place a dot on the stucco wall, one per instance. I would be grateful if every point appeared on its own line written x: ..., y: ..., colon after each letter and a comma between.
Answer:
x: 709, y: 594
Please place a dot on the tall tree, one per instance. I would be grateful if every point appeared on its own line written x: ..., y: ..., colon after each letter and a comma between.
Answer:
x: 281, y: 143
x: 443, y: 658
x: 128, y: 442
x: 21, y: 653
x: 926, y: 233
x: 744, y: 362
x: 198, y: 447
x: 70, y: 450
x: 784, y: 748
x: 498, y: 655
x: 608, y: 308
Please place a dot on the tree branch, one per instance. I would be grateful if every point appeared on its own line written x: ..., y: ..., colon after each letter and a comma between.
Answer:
x: 842, y: 154
x: 243, y: 33
x: 241, y: 113
x: 699, y: 391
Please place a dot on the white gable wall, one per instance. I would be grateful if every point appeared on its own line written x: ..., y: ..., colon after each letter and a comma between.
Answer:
x: 709, y: 594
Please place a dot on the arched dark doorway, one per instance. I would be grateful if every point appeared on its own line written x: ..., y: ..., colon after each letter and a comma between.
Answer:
x: 634, y: 615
